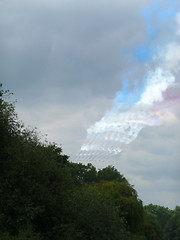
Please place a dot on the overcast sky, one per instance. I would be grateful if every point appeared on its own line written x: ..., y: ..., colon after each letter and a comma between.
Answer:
x: 63, y: 60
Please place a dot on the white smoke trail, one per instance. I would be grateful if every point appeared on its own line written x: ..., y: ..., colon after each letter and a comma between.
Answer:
x: 119, y: 126
x: 108, y: 136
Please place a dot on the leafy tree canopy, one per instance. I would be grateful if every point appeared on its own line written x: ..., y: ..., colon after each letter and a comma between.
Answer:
x: 124, y: 197
x: 163, y: 214
x: 172, y: 228
x: 43, y: 196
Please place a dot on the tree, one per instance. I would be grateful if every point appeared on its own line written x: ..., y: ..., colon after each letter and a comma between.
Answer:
x: 124, y: 197
x: 83, y: 174
x: 152, y: 229
x: 34, y: 179
x: 42, y: 195
x: 163, y: 213
x: 109, y: 174
x: 172, y: 228
x: 89, y: 216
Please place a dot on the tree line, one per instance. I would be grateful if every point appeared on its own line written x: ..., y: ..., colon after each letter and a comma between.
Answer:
x: 43, y: 196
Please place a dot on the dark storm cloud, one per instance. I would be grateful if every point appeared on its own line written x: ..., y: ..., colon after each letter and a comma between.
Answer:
x: 66, y: 45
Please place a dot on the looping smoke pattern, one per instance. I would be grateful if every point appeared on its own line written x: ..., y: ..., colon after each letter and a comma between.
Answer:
x: 149, y: 105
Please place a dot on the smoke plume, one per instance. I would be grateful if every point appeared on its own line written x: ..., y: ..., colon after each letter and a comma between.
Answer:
x: 155, y: 99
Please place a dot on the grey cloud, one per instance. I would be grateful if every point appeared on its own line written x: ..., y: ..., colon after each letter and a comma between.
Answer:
x: 63, y: 61
x: 66, y: 44
x: 151, y: 164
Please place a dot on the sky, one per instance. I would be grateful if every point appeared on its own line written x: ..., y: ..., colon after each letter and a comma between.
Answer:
x: 66, y: 62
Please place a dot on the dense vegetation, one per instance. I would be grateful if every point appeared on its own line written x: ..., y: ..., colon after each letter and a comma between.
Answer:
x: 43, y: 196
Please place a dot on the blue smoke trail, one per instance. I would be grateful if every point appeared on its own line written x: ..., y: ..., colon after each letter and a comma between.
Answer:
x: 157, y: 16
x: 134, y: 110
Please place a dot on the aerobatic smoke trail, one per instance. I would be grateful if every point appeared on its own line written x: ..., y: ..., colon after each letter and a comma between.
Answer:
x: 150, y: 104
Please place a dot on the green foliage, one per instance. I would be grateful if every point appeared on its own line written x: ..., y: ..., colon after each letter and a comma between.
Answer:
x: 138, y: 237
x: 168, y: 220
x: 123, y: 196
x: 45, y: 197
x: 91, y: 217
x: 163, y: 214
x: 88, y: 174
x: 42, y: 195
x: 23, y: 235
x: 34, y: 180
x: 83, y: 174
x: 109, y: 174
x: 152, y: 229
x: 172, y: 228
